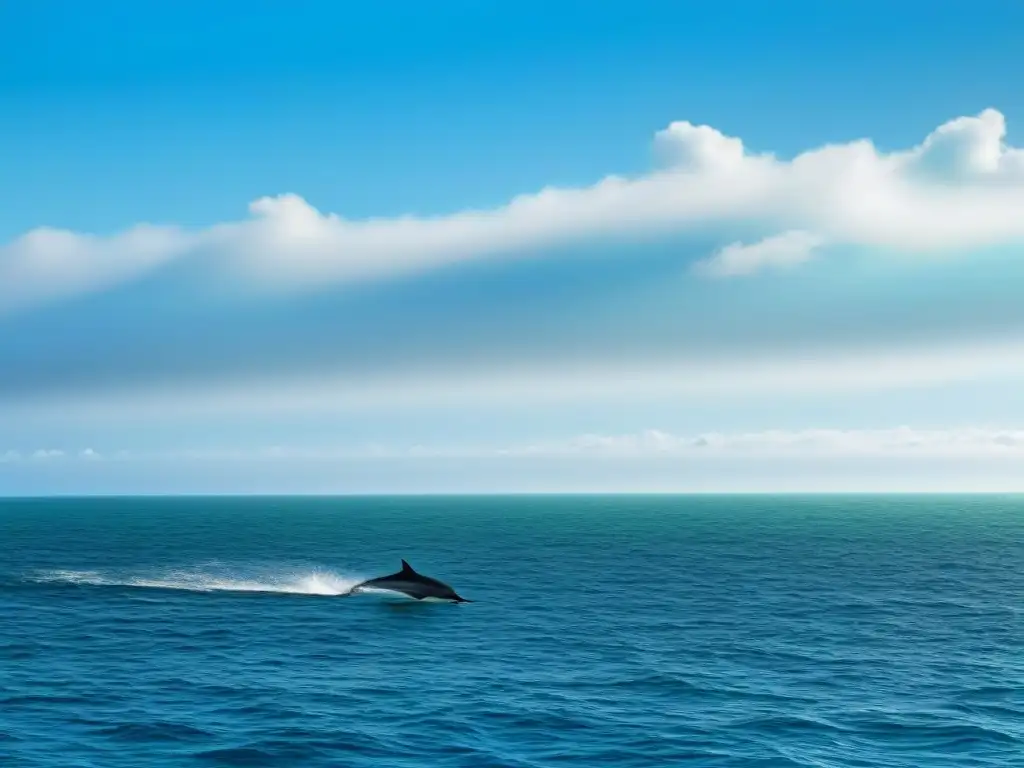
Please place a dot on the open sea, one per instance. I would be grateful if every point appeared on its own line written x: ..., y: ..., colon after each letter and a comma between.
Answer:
x: 753, y: 631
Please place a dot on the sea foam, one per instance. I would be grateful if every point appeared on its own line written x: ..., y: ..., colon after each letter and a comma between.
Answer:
x: 213, y: 579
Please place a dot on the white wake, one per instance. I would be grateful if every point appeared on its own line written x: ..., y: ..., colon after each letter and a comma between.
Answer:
x: 298, y: 582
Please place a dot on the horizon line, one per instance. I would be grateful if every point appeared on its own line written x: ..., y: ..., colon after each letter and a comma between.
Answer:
x: 490, y: 494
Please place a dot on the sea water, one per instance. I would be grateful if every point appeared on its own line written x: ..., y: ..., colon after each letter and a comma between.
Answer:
x: 606, y: 631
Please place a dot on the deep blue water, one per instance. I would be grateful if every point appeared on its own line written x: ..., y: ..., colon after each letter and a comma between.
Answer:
x: 608, y: 631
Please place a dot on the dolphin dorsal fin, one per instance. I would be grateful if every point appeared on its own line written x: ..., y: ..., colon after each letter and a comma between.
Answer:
x: 406, y: 568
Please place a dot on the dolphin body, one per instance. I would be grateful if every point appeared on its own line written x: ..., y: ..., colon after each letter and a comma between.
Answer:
x: 415, y: 585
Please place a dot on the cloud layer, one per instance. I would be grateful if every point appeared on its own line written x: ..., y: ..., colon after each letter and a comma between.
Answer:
x: 961, y: 187
x: 900, y: 442
x: 300, y: 393
x: 896, y: 443
x: 627, y: 290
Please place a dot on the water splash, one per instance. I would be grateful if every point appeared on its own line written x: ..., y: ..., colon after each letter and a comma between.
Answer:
x: 208, y: 579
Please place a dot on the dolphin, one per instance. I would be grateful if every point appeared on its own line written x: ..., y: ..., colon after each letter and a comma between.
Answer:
x: 409, y: 582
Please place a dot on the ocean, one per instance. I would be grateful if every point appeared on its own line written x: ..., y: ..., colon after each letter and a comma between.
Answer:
x: 753, y: 631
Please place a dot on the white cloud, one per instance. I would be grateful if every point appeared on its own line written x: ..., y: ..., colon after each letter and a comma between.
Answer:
x: 812, y: 444
x: 47, y: 264
x: 905, y: 442
x: 961, y: 187
x: 781, y: 251
x: 969, y: 149
x: 47, y: 453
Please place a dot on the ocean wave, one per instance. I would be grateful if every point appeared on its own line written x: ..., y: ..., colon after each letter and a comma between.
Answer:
x: 158, y: 731
x: 238, y: 756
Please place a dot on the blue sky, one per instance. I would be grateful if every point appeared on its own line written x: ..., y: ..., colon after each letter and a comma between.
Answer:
x: 476, y: 246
